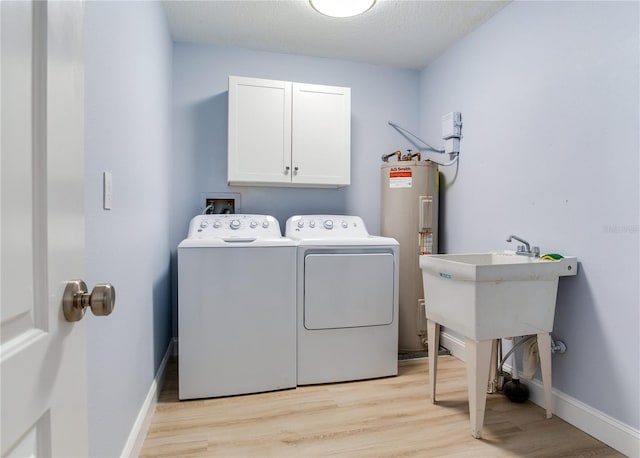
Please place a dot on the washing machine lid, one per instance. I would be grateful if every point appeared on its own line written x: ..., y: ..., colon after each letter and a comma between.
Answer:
x: 234, y: 230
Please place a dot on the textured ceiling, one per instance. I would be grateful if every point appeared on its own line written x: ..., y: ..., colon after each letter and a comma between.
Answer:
x: 399, y: 33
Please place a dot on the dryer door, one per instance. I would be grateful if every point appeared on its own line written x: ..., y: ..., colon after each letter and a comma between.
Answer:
x: 346, y: 290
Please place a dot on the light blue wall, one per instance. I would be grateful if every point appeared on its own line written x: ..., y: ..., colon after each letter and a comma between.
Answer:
x: 200, y: 122
x: 128, y: 133
x: 549, y: 98
x: 200, y: 92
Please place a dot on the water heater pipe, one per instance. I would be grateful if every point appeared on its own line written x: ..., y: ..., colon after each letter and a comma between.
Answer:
x: 385, y: 157
x: 409, y: 156
x: 402, y: 130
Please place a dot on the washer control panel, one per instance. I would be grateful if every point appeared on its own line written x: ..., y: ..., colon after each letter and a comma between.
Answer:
x: 231, y: 225
x: 325, y: 226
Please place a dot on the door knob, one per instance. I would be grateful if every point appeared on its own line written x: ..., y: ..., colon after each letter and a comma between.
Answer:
x: 76, y: 299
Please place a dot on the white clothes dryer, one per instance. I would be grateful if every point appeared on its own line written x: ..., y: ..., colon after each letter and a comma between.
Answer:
x: 347, y: 300
x: 236, y: 307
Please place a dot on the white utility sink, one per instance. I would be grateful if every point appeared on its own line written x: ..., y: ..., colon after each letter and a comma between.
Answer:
x: 487, y: 296
x: 492, y: 295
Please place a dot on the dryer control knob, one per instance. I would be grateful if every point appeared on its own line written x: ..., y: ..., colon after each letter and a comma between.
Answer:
x: 301, y: 224
x: 265, y: 224
x: 312, y: 224
x: 217, y: 224
x: 253, y: 224
x: 344, y: 224
x: 328, y: 224
x: 235, y: 224
x: 204, y: 224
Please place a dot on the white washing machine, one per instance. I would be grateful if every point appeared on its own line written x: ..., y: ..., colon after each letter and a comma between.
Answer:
x: 236, y: 307
x: 347, y: 300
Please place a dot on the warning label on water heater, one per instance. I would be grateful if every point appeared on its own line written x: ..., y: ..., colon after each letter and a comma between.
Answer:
x: 400, y: 177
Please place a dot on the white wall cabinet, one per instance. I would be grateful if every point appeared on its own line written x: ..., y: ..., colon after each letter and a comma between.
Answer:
x: 288, y: 134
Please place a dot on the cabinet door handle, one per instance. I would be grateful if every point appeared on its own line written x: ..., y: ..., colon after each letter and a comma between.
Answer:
x: 295, y: 170
x: 286, y: 169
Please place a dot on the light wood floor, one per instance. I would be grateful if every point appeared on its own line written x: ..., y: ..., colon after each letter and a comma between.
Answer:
x: 376, y: 418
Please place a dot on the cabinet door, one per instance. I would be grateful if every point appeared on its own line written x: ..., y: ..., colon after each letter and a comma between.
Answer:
x: 321, y: 135
x: 259, y: 131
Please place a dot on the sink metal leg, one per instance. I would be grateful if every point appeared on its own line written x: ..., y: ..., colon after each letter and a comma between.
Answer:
x: 544, y: 350
x: 478, y: 355
x: 433, y: 343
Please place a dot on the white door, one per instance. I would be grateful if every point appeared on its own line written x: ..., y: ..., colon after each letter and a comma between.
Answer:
x: 42, y: 356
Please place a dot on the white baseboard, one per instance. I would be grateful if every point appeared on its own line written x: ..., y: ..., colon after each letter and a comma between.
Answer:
x: 140, y: 427
x: 612, y: 432
x: 454, y: 344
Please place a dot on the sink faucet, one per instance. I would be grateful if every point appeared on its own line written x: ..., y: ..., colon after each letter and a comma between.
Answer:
x: 525, y: 249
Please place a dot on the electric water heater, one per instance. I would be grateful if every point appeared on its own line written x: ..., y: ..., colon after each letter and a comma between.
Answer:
x: 409, y: 214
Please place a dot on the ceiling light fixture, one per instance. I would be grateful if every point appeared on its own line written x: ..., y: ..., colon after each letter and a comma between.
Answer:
x: 341, y: 8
